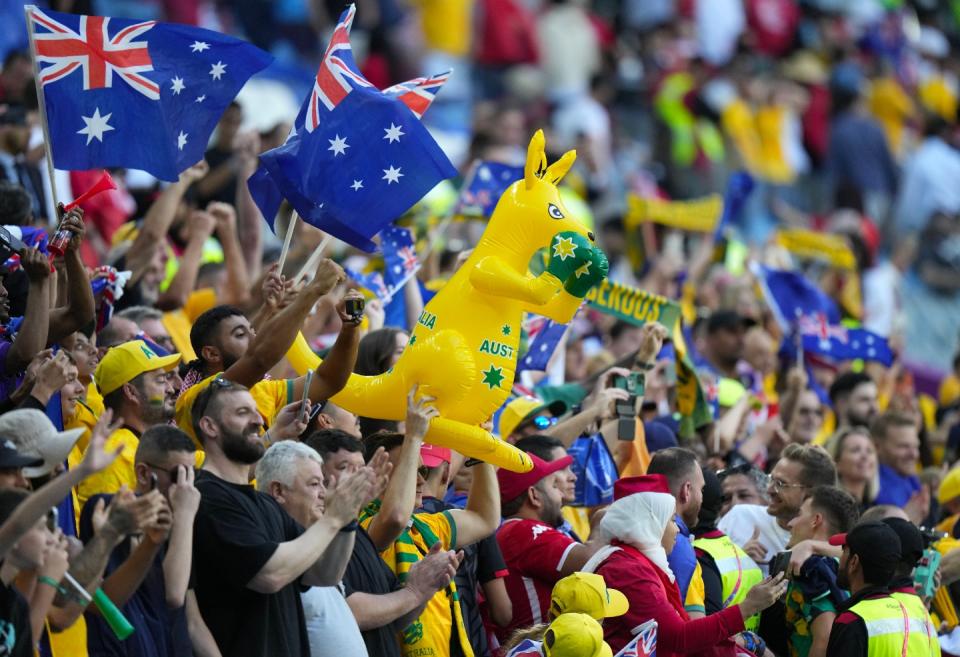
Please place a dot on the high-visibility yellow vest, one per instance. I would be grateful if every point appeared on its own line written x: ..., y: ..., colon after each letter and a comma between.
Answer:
x: 898, y: 625
x: 738, y: 572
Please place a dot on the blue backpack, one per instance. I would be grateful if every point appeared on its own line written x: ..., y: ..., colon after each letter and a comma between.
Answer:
x: 595, y: 469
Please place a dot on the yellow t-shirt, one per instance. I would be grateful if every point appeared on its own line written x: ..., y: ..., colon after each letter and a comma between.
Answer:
x: 579, y: 519
x: 447, y: 25
x: 270, y: 396
x: 84, y: 417
x: 696, y: 593
x: 119, y: 473
x: 179, y: 322
x: 429, y: 635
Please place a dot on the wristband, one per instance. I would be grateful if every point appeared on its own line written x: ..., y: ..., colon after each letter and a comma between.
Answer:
x: 49, y: 581
x: 351, y: 526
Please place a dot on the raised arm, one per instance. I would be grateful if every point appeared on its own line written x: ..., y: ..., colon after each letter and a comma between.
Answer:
x: 481, y: 517
x: 279, y: 332
x: 248, y: 214
x: 158, y: 219
x: 32, y: 336
x: 39, y: 503
x: 80, y: 308
x: 332, y: 373
x: 200, y: 225
x: 184, y: 502
x: 237, y: 289
x: 299, y: 558
x: 398, y: 501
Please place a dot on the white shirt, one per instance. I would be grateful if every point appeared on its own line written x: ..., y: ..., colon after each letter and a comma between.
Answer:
x: 929, y: 184
x: 740, y: 523
x: 331, y: 627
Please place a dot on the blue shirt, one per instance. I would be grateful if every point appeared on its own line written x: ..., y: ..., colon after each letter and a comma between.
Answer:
x: 895, y: 488
x: 682, y: 559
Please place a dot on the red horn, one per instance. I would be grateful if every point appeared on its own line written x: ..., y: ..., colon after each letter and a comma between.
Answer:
x: 102, y: 185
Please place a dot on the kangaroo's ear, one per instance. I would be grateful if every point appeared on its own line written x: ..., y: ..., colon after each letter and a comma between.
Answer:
x: 557, y: 170
x: 536, y: 160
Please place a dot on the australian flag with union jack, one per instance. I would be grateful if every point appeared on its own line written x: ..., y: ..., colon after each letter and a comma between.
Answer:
x: 142, y: 95
x: 357, y: 157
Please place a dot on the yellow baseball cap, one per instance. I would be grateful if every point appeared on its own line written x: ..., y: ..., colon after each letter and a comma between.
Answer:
x: 125, y: 362
x: 575, y: 635
x: 522, y: 408
x: 950, y: 486
x: 587, y: 593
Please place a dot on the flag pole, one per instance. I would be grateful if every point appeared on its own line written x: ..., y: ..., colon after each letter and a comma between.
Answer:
x: 313, y: 260
x: 444, y: 225
x: 291, y: 226
x: 47, y: 146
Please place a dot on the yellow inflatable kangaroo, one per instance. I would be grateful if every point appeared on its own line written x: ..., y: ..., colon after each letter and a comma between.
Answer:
x: 463, y: 351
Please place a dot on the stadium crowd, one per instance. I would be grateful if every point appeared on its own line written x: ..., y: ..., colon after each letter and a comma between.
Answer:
x: 159, y: 453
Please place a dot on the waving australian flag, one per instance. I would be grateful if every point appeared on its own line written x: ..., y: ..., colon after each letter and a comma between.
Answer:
x: 357, y: 157
x: 486, y: 182
x: 542, y: 346
x: 142, y: 95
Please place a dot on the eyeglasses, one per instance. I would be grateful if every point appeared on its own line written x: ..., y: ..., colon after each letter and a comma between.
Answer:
x: 779, y: 484
x: 810, y: 411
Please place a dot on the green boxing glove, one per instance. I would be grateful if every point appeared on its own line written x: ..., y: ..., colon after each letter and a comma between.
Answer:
x: 590, y: 272
x: 567, y: 252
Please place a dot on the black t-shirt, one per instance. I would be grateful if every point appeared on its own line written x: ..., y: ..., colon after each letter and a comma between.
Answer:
x: 236, y: 531
x: 368, y: 573
x: 160, y: 630
x: 15, y: 633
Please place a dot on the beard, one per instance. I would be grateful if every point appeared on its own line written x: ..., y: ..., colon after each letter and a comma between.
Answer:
x: 843, y: 579
x: 551, y: 513
x: 238, y: 447
x: 156, y: 412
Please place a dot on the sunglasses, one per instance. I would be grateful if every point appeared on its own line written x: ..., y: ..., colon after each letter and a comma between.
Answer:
x: 738, y: 469
x: 542, y: 421
x: 203, y: 399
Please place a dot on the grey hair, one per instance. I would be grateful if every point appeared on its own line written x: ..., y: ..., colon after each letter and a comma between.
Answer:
x: 279, y: 463
x: 137, y: 314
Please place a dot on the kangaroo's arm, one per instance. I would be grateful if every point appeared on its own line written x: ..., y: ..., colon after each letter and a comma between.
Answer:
x: 493, y: 276
x: 561, y: 308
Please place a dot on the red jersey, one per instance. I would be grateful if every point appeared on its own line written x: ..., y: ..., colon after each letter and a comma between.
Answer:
x: 653, y: 596
x: 534, y: 553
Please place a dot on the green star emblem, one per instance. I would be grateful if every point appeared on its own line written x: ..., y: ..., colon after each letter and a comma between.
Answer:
x: 413, y: 339
x: 506, y: 329
x: 493, y: 377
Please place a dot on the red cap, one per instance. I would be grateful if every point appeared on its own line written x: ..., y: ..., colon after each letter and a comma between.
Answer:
x: 655, y: 483
x: 433, y: 456
x: 515, y: 484
x: 838, y: 540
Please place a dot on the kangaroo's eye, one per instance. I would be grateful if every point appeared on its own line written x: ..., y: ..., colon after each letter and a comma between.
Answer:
x: 554, y: 211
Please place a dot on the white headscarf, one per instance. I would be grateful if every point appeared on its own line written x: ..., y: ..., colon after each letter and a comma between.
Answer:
x: 638, y: 520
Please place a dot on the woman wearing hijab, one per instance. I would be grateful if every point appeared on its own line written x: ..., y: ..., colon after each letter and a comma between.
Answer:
x: 639, y: 530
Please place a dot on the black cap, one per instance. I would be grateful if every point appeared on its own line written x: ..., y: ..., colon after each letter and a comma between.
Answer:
x: 727, y: 320
x: 10, y: 458
x: 911, y: 540
x: 877, y: 545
